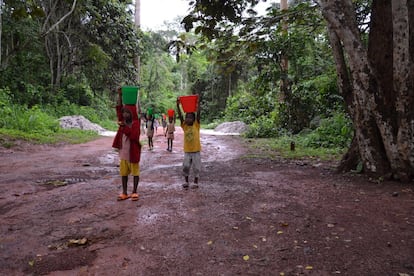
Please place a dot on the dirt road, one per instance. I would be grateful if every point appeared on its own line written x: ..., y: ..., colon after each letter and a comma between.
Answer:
x: 250, y: 216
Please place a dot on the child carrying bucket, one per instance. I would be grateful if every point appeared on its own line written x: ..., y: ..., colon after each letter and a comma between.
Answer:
x: 127, y: 142
x: 170, y: 129
x: 192, y: 144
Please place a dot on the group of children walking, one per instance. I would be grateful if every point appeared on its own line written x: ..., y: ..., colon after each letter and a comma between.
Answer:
x: 127, y: 143
x: 151, y: 124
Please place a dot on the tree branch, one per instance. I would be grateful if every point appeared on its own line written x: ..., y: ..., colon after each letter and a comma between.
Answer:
x: 63, y: 18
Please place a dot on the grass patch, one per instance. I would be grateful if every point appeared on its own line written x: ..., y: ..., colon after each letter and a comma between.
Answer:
x: 281, y: 146
x: 109, y: 125
x: 8, y: 137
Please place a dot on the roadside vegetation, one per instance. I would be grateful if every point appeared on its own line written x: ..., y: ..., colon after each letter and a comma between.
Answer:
x: 237, y: 77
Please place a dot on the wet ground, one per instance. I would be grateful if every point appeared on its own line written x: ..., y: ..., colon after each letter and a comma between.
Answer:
x: 251, y: 215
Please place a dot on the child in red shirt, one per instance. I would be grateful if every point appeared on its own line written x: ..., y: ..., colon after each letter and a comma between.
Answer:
x: 127, y: 142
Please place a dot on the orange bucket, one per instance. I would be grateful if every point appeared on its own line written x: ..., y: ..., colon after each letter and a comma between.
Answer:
x: 189, y: 103
x: 170, y: 112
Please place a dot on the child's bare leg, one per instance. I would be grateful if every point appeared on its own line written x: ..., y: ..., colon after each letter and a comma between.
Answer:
x: 186, y: 185
x: 136, y: 181
x: 124, y: 185
x: 186, y: 169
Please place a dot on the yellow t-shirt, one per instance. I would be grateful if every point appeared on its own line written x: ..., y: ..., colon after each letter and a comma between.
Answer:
x: 191, y: 137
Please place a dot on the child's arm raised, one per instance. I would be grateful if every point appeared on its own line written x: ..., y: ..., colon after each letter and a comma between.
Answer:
x: 198, y: 109
x: 180, y: 115
x: 119, y: 107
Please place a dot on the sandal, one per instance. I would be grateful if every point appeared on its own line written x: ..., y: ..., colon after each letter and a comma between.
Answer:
x: 122, y: 197
x: 134, y: 197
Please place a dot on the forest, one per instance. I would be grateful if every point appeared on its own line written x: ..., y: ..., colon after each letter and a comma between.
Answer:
x: 336, y: 76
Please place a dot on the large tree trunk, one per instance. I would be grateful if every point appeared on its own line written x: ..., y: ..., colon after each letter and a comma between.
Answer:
x: 379, y: 88
x: 1, y: 27
x: 137, y: 21
x: 284, y: 61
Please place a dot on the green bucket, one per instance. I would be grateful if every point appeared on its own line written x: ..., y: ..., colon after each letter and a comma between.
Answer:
x: 129, y: 94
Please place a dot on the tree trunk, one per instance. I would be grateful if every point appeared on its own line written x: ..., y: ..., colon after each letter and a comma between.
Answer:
x: 284, y: 61
x: 379, y: 89
x: 137, y: 60
x: 1, y: 28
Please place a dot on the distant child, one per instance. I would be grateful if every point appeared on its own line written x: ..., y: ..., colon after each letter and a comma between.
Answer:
x: 143, y: 122
x: 169, y: 133
x: 156, y: 124
x: 163, y: 123
x: 192, y: 144
x: 150, y: 131
x: 127, y: 142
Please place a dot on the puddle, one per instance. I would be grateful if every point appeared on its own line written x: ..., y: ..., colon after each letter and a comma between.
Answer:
x: 60, y: 182
x: 107, y: 133
x: 109, y: 158
x: 212, y: 132
x: 151, y: 217
x: 158, y: 167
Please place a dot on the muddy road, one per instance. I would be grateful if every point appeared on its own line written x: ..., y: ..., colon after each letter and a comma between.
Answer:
x: 251, y: 215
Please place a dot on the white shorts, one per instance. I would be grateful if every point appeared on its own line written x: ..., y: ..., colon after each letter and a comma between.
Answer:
x: 192, y: 159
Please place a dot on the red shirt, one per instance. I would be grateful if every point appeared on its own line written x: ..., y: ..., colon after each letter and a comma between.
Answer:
x: 132, y: 133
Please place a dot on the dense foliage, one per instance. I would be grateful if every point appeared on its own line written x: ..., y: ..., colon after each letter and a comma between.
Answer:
x: 64, y: 59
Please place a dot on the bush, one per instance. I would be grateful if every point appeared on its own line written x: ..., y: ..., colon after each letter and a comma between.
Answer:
x: 248, y: 108
x: 263, y: 127
x: 333, y: 132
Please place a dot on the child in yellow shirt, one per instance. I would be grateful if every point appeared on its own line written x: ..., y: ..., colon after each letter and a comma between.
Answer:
x: 192, y: 144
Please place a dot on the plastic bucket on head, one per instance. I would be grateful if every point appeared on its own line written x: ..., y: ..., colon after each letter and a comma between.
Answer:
x: 129, y: 94
x: 170, y: 112
x: 189, y: 103
x: 150, y: 111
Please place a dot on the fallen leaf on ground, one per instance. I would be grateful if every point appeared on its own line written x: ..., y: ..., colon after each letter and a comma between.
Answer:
x: 210, y: 242
x: 78, y: 242
x: 246, y: 257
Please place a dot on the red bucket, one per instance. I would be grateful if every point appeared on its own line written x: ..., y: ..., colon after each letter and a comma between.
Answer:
x: 170, y: 112
x: 189, y: 103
